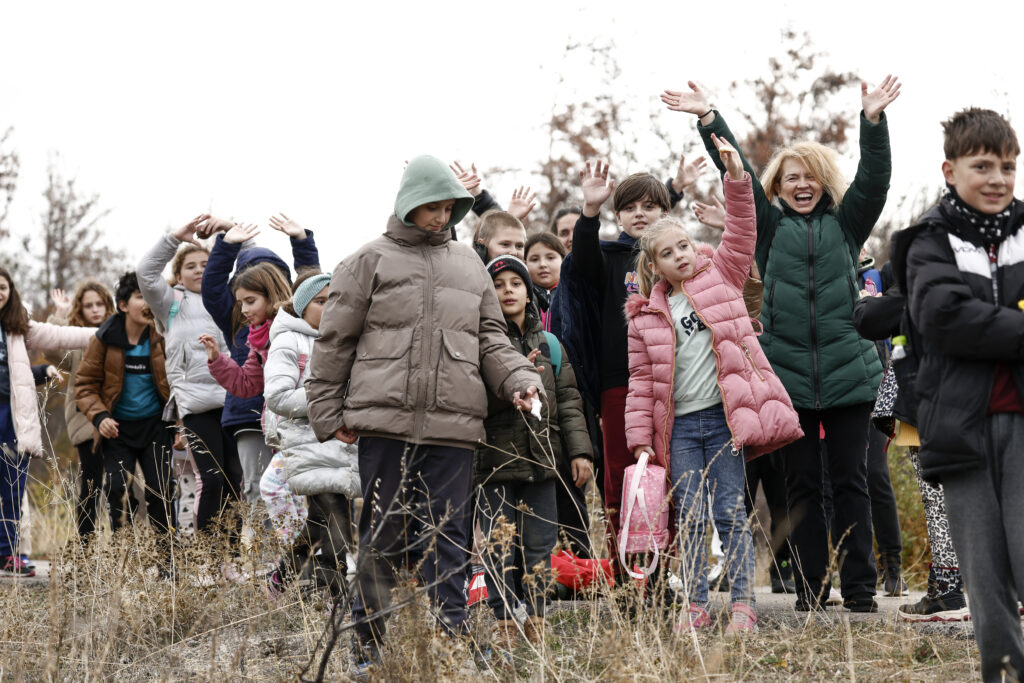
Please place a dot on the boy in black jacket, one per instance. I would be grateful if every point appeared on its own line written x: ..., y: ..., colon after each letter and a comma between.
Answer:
x: 962, y: 268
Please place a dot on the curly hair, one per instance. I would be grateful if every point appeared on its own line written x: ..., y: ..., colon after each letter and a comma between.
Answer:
x: 76, y: 317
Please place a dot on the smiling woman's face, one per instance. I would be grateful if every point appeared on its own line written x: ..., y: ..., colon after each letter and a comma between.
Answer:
x: 798, y: 187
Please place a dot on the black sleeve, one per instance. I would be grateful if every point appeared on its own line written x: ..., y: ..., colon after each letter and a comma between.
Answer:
x: 878, y: 317
x: 39, y: 373
x: 484, y: 202
x: 673, y: 196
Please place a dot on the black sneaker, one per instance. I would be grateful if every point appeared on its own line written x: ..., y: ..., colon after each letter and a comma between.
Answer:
x: 782, y: 578
x: 951, y: 606
x: 892, y: 581
x: 805, y: 603
x: 862, y: 602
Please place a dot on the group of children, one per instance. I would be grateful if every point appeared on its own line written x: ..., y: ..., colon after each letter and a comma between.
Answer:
x: 459, y: 387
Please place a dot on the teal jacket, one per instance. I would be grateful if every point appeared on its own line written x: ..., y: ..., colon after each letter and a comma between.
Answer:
x: 809, y: 268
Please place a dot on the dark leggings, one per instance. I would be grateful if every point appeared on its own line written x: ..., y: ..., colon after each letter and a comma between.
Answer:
x: 90, y: 488
x: 216, y: 457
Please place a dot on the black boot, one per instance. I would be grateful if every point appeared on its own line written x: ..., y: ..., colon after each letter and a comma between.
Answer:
x: 892, y: 578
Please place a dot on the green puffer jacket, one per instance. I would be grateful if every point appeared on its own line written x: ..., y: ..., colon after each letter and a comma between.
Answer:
x: 510, y: 451
x: 809, y: 268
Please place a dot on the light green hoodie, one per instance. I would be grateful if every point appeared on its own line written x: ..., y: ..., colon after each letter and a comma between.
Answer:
x: 428, y: 179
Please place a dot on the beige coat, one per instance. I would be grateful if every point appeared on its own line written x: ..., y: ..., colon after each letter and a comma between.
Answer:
x: 413, y: 330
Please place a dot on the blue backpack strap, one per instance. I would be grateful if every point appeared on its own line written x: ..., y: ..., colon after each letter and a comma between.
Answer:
x: 555, y: 351
x: 175, y: 307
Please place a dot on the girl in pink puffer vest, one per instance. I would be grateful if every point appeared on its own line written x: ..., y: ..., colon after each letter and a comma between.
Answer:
x: 701, y: 392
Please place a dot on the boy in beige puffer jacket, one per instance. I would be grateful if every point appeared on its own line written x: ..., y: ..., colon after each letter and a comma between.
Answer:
x: 411, y: 338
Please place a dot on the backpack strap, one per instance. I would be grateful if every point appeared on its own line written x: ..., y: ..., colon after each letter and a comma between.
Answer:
x: 554, y: 352
x: 175, y: 307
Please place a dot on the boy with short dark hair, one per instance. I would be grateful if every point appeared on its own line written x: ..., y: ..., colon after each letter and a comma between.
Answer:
x: 596, y: 279
x: 121, y: 386
x: 962, y: 267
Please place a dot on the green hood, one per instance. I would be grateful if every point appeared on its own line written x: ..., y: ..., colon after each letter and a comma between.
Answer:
x: 428, y: 179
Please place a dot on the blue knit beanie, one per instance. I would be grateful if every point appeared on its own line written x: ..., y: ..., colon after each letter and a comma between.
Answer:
x: 307, y: 290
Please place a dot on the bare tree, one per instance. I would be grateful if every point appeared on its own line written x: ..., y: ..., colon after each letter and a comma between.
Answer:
x: 72, y: 239
x: 9, y: 165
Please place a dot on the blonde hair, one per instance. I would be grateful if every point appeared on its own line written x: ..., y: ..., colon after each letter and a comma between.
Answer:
x: 494, y: 219
x: 819, y: 160
x: 645, y: 259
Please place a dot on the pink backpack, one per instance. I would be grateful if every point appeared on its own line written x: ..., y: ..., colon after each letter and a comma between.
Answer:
x: 644, y: 513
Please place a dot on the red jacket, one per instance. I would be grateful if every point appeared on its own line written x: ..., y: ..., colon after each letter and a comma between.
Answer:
x: 757, y: 408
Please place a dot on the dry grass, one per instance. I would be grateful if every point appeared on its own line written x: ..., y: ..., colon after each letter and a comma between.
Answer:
x: 107, y: 614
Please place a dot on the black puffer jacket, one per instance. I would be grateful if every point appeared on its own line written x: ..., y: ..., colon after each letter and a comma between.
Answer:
x: 511, y: 451
x: 968, y: 323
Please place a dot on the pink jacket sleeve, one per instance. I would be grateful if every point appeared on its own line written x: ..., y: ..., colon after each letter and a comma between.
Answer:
x: 736, y: 252
x: 640, y: 397
x: 50, y: 337
x: 241, y: 382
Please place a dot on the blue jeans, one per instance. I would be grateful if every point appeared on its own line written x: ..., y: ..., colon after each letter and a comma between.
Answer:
x: 704, y: 465
x: 13, y: 477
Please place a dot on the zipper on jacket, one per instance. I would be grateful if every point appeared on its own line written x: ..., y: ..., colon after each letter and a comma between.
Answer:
x: 426, y: 340
x: 814, y: 316
x: 746, y: 352
x: 718, y: 369
x: 993, y: 266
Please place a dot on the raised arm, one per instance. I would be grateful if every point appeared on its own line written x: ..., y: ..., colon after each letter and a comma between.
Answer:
x: 865, y: 198
x: 710, y: 122
x: 736, y: 251
x: 218, y: 298
x: 588, y: 259
x: 304, y: 251
x: 158, y: 294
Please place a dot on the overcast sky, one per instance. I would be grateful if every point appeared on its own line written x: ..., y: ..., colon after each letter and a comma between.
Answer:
x: 247, y: 109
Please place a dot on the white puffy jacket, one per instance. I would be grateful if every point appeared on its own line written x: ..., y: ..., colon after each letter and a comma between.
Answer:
x: 312, y: 467
x: 193, y: 389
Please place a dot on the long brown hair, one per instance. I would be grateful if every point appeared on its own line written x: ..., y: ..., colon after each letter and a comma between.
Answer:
x: 75, y: 317
x: 647, y: 240
x: 264, y: 279
x: 13, y: 316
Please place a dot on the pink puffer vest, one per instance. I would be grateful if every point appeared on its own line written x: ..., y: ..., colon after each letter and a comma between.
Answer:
x: 757, y: 408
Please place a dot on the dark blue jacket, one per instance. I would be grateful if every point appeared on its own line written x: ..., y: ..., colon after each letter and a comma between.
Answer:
x: 219, y: 300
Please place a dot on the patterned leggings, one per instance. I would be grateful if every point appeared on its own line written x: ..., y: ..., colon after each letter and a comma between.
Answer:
x: 943, y: 554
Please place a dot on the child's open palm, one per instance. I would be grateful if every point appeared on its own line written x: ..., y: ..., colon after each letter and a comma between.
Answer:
x: 688, y: 172
x: 875, y: 102
x: 597, y: 188
x: 61, y: 303
x: 693, y: 102
x: 711, y: 215
x: 523, y: 202
x: 469, y: 179
x: 288, y: 226
x: 241, y: 232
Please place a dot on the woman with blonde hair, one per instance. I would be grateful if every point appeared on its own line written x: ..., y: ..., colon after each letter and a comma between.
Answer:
x: 810, y: 230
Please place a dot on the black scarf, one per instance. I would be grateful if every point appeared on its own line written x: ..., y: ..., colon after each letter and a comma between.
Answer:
x: 975, y: 226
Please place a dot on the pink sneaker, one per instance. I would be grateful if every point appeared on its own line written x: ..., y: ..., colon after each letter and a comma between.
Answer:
x: 743, y: 619
x: 694, y: 619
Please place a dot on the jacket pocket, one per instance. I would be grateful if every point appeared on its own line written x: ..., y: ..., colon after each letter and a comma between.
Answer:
x: 459, y: 388
x: 380, y: 373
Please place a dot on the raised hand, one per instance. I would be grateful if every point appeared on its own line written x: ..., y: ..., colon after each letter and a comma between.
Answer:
x: 61, y: 303
x: 693, y: 102
x: 688, y: 172
x: 212, y: 225
x: 241, y: 232
x: 210, y: 344
x: 730, y: 157
x: 54, y: 373
x: 875, y: 102
x: 188, y: 232
x: 469, y: 179
x: 597, y: 188
x: 522, y: 203
x: 288, y: 226
x: 710, y: 215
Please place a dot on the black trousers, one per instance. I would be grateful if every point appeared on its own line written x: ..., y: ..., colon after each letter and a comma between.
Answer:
x: 147, y: 443
x: 571, y: 512
x: 90, y: 486
x: 884, y: 513
x: 846, y: 436
x: 216, y: 456
x: 770, y: 472
x: 416, y: 502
